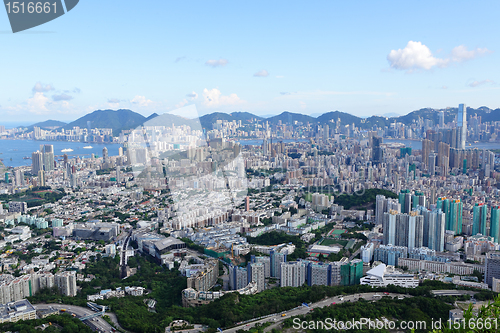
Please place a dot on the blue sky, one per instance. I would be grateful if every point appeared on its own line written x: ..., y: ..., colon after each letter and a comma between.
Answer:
x: 264, y: 57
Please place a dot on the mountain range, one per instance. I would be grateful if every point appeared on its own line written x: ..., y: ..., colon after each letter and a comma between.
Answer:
x: 122, y: 119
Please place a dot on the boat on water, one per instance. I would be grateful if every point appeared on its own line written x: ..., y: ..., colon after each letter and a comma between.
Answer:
x: 26, y: 158
x: 67, y: 150
x: 88, y: 147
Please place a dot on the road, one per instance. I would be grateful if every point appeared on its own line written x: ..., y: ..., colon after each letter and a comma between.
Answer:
x: 276, y: 319
x: 98, y: 324
x: 123, y: 256
x: 453, y: 292
x: 354, y: 254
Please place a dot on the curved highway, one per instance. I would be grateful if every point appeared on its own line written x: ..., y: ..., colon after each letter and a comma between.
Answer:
x: 97, y: 324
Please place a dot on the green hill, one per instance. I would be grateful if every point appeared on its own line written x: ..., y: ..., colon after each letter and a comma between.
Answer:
x: 117, y: 120
x: 48, y: 125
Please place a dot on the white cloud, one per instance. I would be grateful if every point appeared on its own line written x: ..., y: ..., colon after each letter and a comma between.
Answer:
x: 444, y: 87
x: 40, y: 87
x: 303, y: 105
x: 141, y: 101
x: 460, y: 53
x: 262, y: 73
x: 113, y: 100
x: 280, y: 76
x: 414, y: 56
x: 192, y: 95
x: 479, y: 83
x: 217, y: 63
x: 38, y: 103
x: 417, y: 56
x: 214, y: 98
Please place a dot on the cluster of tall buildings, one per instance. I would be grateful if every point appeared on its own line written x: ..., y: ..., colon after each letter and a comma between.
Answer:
x: 295, y: 273
x: 14, y: 289
x: 409, y: 223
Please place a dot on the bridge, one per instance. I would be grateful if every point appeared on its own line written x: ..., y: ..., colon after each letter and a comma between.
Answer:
x: 97, y: 314
x: 123, y: 256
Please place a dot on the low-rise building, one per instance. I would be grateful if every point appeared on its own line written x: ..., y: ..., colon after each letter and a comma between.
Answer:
x: 18, y: 310
x: 382, y: 276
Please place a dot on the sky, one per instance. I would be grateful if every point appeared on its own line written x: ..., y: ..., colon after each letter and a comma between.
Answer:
x: 265, y: 57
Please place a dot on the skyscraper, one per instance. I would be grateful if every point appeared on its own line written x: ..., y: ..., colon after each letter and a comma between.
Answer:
x: 256, y: 274
x: 432, y: 164
x: 293, y: 274
x: 441, y: 119
x: 455, y: 219
x: 492, y: 267
x: 405, y: 201
x: 480, y: 211
x: 105, y: 155
x: 48, y: 157
x: 461, y: 126
x: 427, y: 147
x: 36, y: 162
x: 434, y: 229
x: 377, y: 150
x: 276, y: 260
x: 495, y: 223
x: 41, y: 178
x: 238, y: 278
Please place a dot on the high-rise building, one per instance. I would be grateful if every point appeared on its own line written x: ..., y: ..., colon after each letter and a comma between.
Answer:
x: 293, y: 274
x: 427, y: 147
x: 367, y: 252
x: 389, y: 254
x: 317, y: 274
x: 276, y: 260
x: 380, y: 208
x: 403, y: 229
x: 495, y: 223
x: 19, y: 177
x: 418, y: 199
x: 238, y: 278
x: 105, y: 155
x: 41, y: 178
x: 266, y: 261
x: 377, y: 150
x: 431, y: 164
x: 492, y: 267
x: 384, y: 205
x: 461, y: 126
x: 434, y: 229
x: 455, y: 219
x: 389, y: 227
x: 256, y: 274
x: 480, y: 211
x: 351, y: 272
x: 36, y: 162
x: 118, y: 175
x: 48, y: 157
x: 66, y: 282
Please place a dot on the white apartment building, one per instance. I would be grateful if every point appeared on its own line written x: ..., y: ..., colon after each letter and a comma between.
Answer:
x: 293, y: 274
x: 66, y: 282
